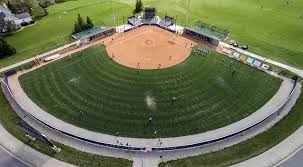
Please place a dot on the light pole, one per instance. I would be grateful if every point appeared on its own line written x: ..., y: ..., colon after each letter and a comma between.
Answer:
x: 187, y: 13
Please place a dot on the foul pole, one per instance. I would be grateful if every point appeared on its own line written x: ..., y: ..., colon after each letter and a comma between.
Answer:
x: 123, y: 24
x: 187, y: 13
x: 176, y: 22
x: 114, y: 16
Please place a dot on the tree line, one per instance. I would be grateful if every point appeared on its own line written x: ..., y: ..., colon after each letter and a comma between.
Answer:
x: 81, y: 25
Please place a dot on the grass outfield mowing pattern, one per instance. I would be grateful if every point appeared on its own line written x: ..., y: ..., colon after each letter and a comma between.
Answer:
x: 9, y: 118
x: 114, y: 98
x: 249, y: 148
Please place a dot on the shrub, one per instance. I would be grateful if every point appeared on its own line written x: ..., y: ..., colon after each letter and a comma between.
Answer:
x: 6, y: 49
x: 24, y: 23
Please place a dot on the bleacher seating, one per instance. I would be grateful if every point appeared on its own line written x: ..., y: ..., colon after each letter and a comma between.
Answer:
x: 167, y: 21
x: 133, y: 20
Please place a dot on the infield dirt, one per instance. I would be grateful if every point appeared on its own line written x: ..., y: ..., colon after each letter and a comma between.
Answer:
x: 149, y: 47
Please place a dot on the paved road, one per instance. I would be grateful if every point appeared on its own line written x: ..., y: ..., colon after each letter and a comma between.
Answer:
x: 294, y: 161
x: 8, y: 160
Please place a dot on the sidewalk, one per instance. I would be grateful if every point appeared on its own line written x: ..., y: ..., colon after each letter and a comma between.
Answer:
x: 8, y: 159
x: 278, y: 154
x: 285, y: 66
x: 27, y: 155
x: 295, y: 160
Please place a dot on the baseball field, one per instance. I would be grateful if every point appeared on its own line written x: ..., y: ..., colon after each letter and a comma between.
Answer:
x: 90, y: 90
x: 150, y: 47
x: 131, y: 88
x: 271, y: 28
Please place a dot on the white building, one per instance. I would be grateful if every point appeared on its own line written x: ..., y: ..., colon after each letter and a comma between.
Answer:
x: 24, y: 18
x: 7, y: 15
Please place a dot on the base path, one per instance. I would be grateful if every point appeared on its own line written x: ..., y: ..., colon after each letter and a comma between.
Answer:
x: 149, y: 47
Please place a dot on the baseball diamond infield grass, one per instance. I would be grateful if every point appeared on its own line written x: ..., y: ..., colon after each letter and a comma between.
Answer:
x: 91, y: 91
x: 270, y: 28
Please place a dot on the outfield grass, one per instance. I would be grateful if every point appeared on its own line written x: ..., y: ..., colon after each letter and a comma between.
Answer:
x: 92, y: 91
x: 249, y: 148
x: 271, y: 28
x: 8, y: 119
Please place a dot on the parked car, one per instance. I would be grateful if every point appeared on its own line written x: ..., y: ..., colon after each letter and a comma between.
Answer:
x: 245, y: 47
x: 233, y: 43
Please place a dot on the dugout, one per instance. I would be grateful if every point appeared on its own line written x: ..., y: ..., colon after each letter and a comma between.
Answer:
x: 94, y: 34
x: 204, y: 35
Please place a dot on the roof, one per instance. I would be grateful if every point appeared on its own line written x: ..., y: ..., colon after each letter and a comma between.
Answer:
x: 208, y: 33
x: 150, y: 8
x: 23, y: 15
x: 8, y: 16
x: 4, y: 9
x: 2, y: 16
x: 90, y: 32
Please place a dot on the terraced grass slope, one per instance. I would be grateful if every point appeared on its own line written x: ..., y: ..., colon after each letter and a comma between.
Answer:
x: 91, y: 91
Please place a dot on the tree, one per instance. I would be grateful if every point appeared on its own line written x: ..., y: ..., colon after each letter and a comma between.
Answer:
x: 89, y: 23
x: 12, y: 7
x: 81, y: 22
x: 11, y: 26
x: 6, y: 49
x: 77, y: 28
x: 80, y: 25
x: 7, y: 25
x: 139, y: 6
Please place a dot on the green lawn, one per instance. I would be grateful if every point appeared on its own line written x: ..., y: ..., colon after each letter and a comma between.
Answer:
x: 8, y: 119
x: 91, y: 91
x: 270, y: 28
x: 249, y: 148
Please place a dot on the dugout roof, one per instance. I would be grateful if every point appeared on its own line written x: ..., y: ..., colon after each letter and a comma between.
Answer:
x: 91, y: 32
x: 208, y: 33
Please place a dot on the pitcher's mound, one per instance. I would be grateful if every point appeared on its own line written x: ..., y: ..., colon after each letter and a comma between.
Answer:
x: 149, y: 47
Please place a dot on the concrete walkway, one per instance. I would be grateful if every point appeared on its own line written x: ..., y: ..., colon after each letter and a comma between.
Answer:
x: 270, y: 107
x: 287, y: 67
x: 7, y: 159
x: 288, y: 153
x: 294, y: 160
x: 24, y: 155
x: 36, y: 57
x: 151, y: 159
x: 277, y: 155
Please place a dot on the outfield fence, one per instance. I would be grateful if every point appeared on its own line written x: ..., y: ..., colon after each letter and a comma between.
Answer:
x: 20, y: 109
